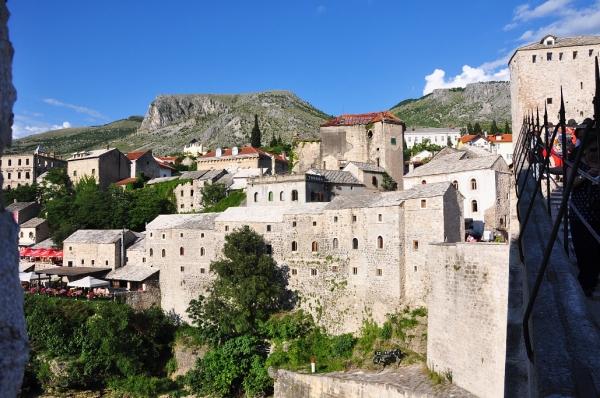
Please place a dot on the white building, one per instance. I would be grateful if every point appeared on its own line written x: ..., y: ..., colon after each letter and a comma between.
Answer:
x: 437, y: 136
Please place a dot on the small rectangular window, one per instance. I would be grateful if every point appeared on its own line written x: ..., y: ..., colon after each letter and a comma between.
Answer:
x: 192, y: 192
x: 353, y: 218
x: 379, y: 272
x: 93, y: 171
x: 70, y: 264
x: 313, y: 272
x: 415, y: 245
x: 415, y: 268
x: 560, y: 56
x: 226, y: 228
x: 19, y: 161
x: 106, y: 262
x: 268, y: 228
x: 423, y: 203
x: 581, y: 85
x: 293, y: 223
x: 314, y: 223
x: 82, y: 262
x: 354, y: 270
x: 181, y: 194
x: 151, y: 234
x: 394, y: 141
x: 591, y: 52
x: 75, y: 173
x: 549, y: 101
x: 268, y: 250
x: 202, y: 235
x: 380, y: 217
x: 143, y: 259
x: 202, y: 270
x: 164, y: 236
x: 93, y: 261
x: 70, y: 248
x: 182, y: 268
x: 294, y: 271
x: 533, y: 59
x: 574, y: 54
x: 548, y: 56
x: 335, y: 268
x: 181, y: 234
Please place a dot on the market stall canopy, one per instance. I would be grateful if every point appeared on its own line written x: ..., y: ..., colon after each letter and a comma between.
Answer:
x: 58, y: 254
x: 25, y: 276
x: 26, y: 252
x: 88, y: 281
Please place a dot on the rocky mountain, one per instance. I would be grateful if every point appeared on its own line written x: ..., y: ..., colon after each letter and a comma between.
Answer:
x: 478, y: 102
x: 225, y: 120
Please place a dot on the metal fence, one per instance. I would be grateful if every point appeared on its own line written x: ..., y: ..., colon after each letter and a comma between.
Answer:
x: 534, y: 147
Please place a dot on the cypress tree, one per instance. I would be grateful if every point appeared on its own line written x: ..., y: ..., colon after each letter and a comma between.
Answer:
x: 477, y: 129
x: 507, y: 128
x: 255, y: 136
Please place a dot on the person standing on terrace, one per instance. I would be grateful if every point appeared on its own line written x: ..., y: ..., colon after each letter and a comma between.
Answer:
x: 585, y: 197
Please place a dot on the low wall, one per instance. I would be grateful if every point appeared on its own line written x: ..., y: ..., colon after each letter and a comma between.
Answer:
x: 143, y: 300
x: 468, y: 311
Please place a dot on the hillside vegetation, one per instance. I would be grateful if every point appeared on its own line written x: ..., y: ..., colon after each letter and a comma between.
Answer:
x: 477, y: 103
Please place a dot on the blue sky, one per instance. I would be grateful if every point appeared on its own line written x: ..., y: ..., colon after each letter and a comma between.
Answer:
x: 82, y: 63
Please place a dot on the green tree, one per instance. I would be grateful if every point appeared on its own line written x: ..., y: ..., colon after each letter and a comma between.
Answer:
x: 477, y: 129
x: 273, y: 142
x: 24, y: 193
x: 147, y: 205
x: 212, y: 194
x: 507, y: 129
x: 470, y: 130
x: 246, y: 291
x: 494, y: 128
x: 463, y: 131
x: 255, y: 135
x: 388, y: 183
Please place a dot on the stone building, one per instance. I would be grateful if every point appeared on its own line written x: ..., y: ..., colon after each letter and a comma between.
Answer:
x: 194, y: 148
x: 357, y: 257
x: 235, y: 159
x: 538, y: 71
x: 143, y: 162
x: 101, y: 248
x: 484, y: 181
x: 33, y: 231
x: 375, y: 138
x: 25, y: 169
x: 369, y: 174
x: 188, y: 195
x: 23, y: 211
x: 500, y: 144
x: 105, y: 165
x: 313, y: 186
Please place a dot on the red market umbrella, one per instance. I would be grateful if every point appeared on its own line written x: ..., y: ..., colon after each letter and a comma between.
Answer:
x: 45, y: 253
x: 58, y: 254
x: 36, y: 253
x: 25, y: 252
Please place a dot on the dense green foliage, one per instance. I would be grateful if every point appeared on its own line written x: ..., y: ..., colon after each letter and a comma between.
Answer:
x: 388, y: 183
x: 212, y: 194
x: 255, y: 135
x: 426, y: 145
x: 99, y: 344
x: 24, y: 193
x: 234, y: 199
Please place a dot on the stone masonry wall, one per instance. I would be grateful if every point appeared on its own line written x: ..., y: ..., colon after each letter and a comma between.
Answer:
x: 308, y: 156
x: 468, y: 310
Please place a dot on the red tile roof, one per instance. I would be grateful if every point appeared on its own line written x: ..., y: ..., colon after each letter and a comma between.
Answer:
x: 135, y: 155
x: 125, y: 181
x: 503, y: 138
x: 168, y: 159
x: 363, y: 118
x: 245, y: 151
x: 165, y: 165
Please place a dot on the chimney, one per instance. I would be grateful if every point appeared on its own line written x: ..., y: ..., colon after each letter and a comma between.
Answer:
x: 283, y: 155
x: 52, y: 154
x: 107, y: 147
x: 15, y: 200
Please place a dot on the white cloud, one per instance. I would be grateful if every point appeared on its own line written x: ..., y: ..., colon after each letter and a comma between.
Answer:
x: 548, y: 8
x: 79, y: 109
x: 65, y: 125
x: 469, y: 75
x: 321, y: 9
x: 24, y: 126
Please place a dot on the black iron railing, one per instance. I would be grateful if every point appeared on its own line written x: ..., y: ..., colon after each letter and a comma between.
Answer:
x: 534, y: 147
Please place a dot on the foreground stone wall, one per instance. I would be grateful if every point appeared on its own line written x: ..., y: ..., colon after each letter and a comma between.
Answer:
x: 468, y: 312
x: 14, y: 345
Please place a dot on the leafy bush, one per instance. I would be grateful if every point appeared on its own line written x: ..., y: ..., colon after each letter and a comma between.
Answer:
x: 233, y: 200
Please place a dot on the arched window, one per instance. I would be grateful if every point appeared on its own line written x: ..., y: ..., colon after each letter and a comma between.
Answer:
x: 294, y: 195
x: 473, y: 184
x: 294, y: 246
x: 355, y: 243
x: 270, y: 196
x: 380, y: 242
x: 474, y: 206
x: 315, y: 247
x: 335, y: 243
x: 455, y: 183
x: 256, y: 196
x: 202, y: 251
x: 281, y: 198
x: 164, y: 253
x: 181, y: 251
x: 374, y: 181
x: 423, y: 182
x: 151, y: 252
x: 22, y: 234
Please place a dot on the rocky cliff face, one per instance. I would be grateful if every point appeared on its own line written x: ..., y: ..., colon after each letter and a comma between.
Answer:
x: 478, y: 102
x: 225, y: 120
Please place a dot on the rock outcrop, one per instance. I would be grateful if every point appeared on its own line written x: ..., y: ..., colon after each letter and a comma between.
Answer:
x: 14, y: 345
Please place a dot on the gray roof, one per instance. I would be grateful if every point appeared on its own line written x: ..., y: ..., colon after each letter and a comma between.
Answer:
x: 130, y: 272
x: 253, y: 214
x: 20, y: 206
x: 89, y: 154
x: 34, y: 222
x: 184, y: 221
x: 138, y: 245
x: 45, y: 244
x: 193, y: 174
x: 95, y: 236
x: 161, y: 179
x: 226, y: 179
x: 368, y: 167
x: 564, y: 42
x: 454, y: 163
x: 336, y: 176
x: 352, y: 201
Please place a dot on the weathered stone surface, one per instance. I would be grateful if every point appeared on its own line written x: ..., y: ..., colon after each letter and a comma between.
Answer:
x: 14, y: 345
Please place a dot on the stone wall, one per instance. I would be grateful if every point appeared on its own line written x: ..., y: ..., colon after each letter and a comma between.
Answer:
x: 143, y: 300
x: 309, y: 155
x: 468, y: 310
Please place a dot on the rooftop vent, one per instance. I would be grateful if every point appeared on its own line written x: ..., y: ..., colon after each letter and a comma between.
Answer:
x: 219, y: 152
x: 234, y: 150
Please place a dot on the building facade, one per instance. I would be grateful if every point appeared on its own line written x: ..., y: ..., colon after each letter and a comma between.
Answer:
x: 25, y: 169
x: 144, y: 162
x: 437, y: 136
x: 235, y: 159
x: 105, y: 165
x: 540, y: 70
x: 97, y: 248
